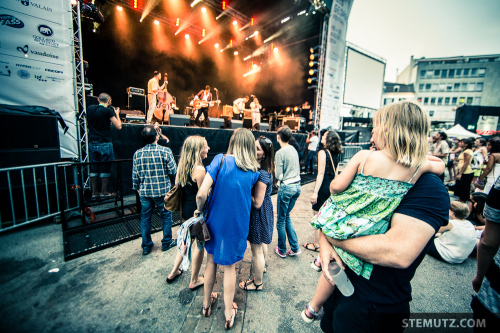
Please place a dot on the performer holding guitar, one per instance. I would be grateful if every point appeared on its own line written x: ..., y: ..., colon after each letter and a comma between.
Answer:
x: 239, y: 107
x: 153, y: 89
x: 255, y: 107
x: 205, y: 96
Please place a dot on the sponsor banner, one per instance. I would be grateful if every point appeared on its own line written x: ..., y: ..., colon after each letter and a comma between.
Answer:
x: 331, y: 101
x: 36, y: 60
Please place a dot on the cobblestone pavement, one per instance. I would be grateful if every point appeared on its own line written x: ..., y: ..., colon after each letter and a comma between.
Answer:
x: 119, y: 290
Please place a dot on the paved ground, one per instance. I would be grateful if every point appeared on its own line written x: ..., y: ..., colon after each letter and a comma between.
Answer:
x: 120, y: 290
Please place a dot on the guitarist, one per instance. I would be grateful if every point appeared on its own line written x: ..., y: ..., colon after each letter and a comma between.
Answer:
x: 239, y: 107
x: 205, y: 96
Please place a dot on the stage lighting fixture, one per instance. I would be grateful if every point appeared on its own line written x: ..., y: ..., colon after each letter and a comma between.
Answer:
x: 302, y: 12
x: 235, y: 52
x: 74, y: 2
x: 216, y: 45
x: 222, y: 50
x: 251, y: 21
x: 286, y: 19
x: 315, y: 48
x: 235, y: 22
x: 296, y: 108
x: 119, y: 8
x: 157, y: 22
x: 230, y: 42
x: 135, y: 4
x: 203, y: 10
x: 311, y: 80
x: 313, y: 71
x: 287, y: 109
x: 314, y: 86
x: 313, y: 56
x: 247, y: 57
x: 254, y: 65
x: 195, y: 2
x: 223, y: 5
x: 187, y: 36
x: 275, y: 49
x: 203, y: 33
x: 312, y: 63
x: 177, y: 22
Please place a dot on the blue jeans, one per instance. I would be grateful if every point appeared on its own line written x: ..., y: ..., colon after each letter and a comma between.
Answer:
x: 310, y: 159
x: 287, y: 196
x: 147, y: 205
x: 100, y: 152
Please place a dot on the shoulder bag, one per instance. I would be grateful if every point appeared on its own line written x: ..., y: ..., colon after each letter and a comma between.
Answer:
x: 335, y: 170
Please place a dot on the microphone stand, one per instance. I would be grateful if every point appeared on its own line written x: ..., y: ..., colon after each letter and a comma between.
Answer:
x: 217, y: 98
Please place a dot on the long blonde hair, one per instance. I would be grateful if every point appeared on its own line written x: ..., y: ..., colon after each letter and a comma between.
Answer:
x: 403, y: 129
x: 190, y: 158
x: 242, y: 147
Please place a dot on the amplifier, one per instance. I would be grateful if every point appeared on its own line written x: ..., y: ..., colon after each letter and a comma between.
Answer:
x: 247, y: 123
x: 227, y: 110
x: 137, y: 91
x: 136, y: 102
x: 135, y: 117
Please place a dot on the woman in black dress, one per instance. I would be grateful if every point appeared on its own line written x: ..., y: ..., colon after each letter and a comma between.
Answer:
x: 328, y: 160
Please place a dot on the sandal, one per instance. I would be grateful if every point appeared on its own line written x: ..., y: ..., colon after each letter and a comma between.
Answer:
x: 313, y: 248
x: 309, y: 315
x: 207, y: 311
x: 316, y: 265
x: 244, y: 285
x: 170, y: 280
x: 229, y: 323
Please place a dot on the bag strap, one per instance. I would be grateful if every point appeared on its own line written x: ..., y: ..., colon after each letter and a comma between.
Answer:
x: 213, y: 187
x: 335, y: 170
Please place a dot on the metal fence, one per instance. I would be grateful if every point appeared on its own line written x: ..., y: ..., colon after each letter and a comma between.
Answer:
x: 348, y: 152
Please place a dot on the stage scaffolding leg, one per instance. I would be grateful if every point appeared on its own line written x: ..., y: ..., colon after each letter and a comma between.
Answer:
x: 321, y: 70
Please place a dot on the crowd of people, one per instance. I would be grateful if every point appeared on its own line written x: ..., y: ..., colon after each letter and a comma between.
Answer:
x: 376, y: 219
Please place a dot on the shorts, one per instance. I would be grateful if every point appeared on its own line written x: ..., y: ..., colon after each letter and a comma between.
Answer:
x: 100, y: 152
x: 492, y: 207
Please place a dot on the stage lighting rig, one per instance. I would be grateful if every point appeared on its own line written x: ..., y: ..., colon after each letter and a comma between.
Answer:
x: 323, y: 6
x: 90, y: 11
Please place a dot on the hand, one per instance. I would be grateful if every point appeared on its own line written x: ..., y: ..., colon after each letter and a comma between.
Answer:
x: 476, y: 283
x: 117, y: 111
x: 197, y: 213
x: 458, y: 176
x: 328, y: 254
x: 314, y: 198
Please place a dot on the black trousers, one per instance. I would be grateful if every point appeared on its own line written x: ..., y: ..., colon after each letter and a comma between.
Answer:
x: 462, y: 187
x: 205, y: 114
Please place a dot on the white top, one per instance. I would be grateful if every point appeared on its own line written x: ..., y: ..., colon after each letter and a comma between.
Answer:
x: 313, y: 143
x: 456, y: 245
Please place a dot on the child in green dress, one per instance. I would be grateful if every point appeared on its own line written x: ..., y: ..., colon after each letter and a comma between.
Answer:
x: 372, y: 185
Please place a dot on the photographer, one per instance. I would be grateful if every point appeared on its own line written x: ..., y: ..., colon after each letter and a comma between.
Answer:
x: 99, y: 120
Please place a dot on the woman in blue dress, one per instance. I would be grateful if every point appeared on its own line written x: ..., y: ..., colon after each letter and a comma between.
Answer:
x: 233, y: 176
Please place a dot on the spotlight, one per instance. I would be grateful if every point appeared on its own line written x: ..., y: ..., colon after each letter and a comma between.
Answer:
x: 203, y: 33
x: 296, y: 108
x: 311, y: 80
x: 223, y: 5
x: 195, y: 2
x: 275, y: 49
x: 216, y: 45
x: 254, y: 65
x: 235, y: 22
x: 221, y: 50
x: 187, y: 36
x: 235, y: 52
x: 247, y: 57
x: 157, y: 22
x: 256, y: 33
x: 312, y: 63
x: 203, y: 10
x: 287, y: 109
x: 251, y: 21
x: 73, y: 2
x: 313, y: 71
x: 177, y: 22
x: 135, y: 4
x: 119, y: 8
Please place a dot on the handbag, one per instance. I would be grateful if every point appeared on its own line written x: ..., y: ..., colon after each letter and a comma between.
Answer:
x: 173, y: 199
x: 199, y: 230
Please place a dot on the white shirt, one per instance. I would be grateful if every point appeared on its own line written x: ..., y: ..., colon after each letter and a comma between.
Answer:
x: 240, y: 104
x: 313, y: 143
x: 456, y: 245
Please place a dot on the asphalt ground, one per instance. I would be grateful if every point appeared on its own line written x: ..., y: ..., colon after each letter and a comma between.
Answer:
x: 120, y: 290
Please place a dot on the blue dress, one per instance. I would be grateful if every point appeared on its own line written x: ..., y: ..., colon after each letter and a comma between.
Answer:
x: 262, y: 219
x: 229, y: 210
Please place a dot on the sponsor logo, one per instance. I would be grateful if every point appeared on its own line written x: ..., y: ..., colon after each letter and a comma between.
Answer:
x: 24, y: 49
x: 45, y: 30
x: 34, y: 4
x: 45, y: 54
x: 55, y: 79
x: 25, y: 2
x: 40, y: 78
x: 23, y: 74
x: 5, y: 70
x: 53, y: 71
x: 11, y: 21
x: 28, y: 66
x: 45, y: 41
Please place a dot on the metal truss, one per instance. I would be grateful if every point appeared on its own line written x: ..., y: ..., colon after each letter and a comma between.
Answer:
x: 321, y: 70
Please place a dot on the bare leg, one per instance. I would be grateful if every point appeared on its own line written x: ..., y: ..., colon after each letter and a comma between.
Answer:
x: 196, y: 260
x: 177, y: 264
x: 258, y: 262
x: 264, y: 251
x: 93, y: 185
x: 229, y: 284
x: 323, y: 290
x: 105, y: 182
x: 316, y: 232
x: 210, y: 271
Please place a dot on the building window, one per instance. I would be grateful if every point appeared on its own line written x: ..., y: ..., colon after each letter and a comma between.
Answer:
x: 456, y: 87
x: 451, y: 73
x: 458, y: 72
x: 464, y: 86
x: 433, y: 100
x: 422, y: 73
x: 429, y: 73
x: 428, y: 86
x: 472, y: 87
x: 477, y: 101
x: 454, y: 100
x: 469, y: 100
x: 434, y: 87
x: 443, y: 73
x: 473, y: 72
x: 466, y: 71
x: 419, y: 100
x: 461, y: 100
x: 421, y: 87
x: 481, y: 72
x: 426, y: 100
x: 437, y: 72
x: 479, y: 86
x: 447, y: 100
x: 396, y: 88
x: 440, y: 100
x: 449, y: 87
x: 442, y: 87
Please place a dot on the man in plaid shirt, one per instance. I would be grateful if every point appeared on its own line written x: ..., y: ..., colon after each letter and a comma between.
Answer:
x: 151, y: 167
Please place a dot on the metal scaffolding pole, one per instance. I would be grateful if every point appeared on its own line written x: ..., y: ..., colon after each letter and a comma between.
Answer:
x: 321, y: 70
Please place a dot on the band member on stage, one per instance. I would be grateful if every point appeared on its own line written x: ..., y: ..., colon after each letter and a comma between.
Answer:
x: 305, y: 111
x: 153, y: 89
x: 239, y: 107
x: 255, y: 107
x: 204, y: 96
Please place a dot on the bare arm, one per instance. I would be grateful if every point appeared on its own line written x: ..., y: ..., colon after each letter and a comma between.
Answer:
x: 397, y: 248
x: 447, y: 227
x: 320, y: 176
x: 116, y: 121
x: 343, y: 180
x: 434, y: 165
x: 198, y: 175
x: 202, y: 195
x: 486, y: 250
x: 259, y: 192
x: 488, y: 168
x: 467, y: 159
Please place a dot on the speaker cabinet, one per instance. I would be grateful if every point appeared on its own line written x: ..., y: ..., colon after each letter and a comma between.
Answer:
x: 216, y: 123
x: 236, y: 124
x: 227, y: 110
x: 247, y: 123
x: 264, y: 127
x: 136, y: 102
x: 179, y: 120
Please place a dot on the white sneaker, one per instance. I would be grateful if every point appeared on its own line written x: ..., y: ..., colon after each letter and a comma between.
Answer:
x: 291, y: 253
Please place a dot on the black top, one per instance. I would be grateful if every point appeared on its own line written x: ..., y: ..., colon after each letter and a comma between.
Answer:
x: 99, y: 123
x: 324, y: 190
x: 427, y: 201
x: 189, y: 192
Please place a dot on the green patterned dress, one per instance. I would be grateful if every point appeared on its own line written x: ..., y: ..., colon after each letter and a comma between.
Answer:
x: 364, y: 208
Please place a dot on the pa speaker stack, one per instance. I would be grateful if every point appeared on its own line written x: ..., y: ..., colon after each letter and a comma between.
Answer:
x: 236, y: 124
x: 180, y: 120
x: 264, y: 127
x: 216, y: 123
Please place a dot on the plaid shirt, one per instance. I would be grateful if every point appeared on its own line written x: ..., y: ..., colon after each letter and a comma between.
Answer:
x: 150, y: 168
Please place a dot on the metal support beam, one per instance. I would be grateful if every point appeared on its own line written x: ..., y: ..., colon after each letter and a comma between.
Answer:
x: 321, y: 69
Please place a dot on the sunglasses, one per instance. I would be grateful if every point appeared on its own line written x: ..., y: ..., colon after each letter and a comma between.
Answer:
x: 266, y: 140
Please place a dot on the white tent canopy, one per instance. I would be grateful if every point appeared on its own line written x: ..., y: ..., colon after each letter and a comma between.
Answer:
x: 458, y: 131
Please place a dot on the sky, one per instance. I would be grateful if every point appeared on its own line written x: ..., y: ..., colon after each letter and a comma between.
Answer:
x: 397, y: 29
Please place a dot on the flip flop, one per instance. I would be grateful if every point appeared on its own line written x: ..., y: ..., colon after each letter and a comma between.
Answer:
x: 314, y: 247
x: 244, y: 285
x: 175, y: 277
x: 229, y: 323
x: 197, y: 287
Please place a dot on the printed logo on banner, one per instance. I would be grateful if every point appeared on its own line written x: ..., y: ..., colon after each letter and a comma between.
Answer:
x: 55, y: 79
x: 4, y: 70
x: 40, y: 78
x: 28, y: 66
x: 23, y: 74
x: 34, y: 4
x: 24, y: 50
x: 46, y: 31
x: 54, y: 71
x: 11, y: 21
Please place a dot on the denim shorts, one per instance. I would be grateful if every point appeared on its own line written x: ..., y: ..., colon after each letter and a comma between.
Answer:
x: 100, y: 152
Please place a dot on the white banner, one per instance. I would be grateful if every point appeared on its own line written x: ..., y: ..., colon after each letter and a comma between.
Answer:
x: 36, y: 60
x: 331, y: 101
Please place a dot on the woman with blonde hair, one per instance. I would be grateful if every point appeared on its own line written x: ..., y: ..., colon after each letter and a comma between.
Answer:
x: 371, y: 186
x: 190, y: 175
x: 231, y: 177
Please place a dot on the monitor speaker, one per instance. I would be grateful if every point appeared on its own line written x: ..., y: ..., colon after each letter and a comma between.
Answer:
x: 302, y: 125
x: 264, y: 127
x: 137, y: 102
x: 247, y: 123
x: 180, y: 120
x: 236, y: 124
x: 216, y: 123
